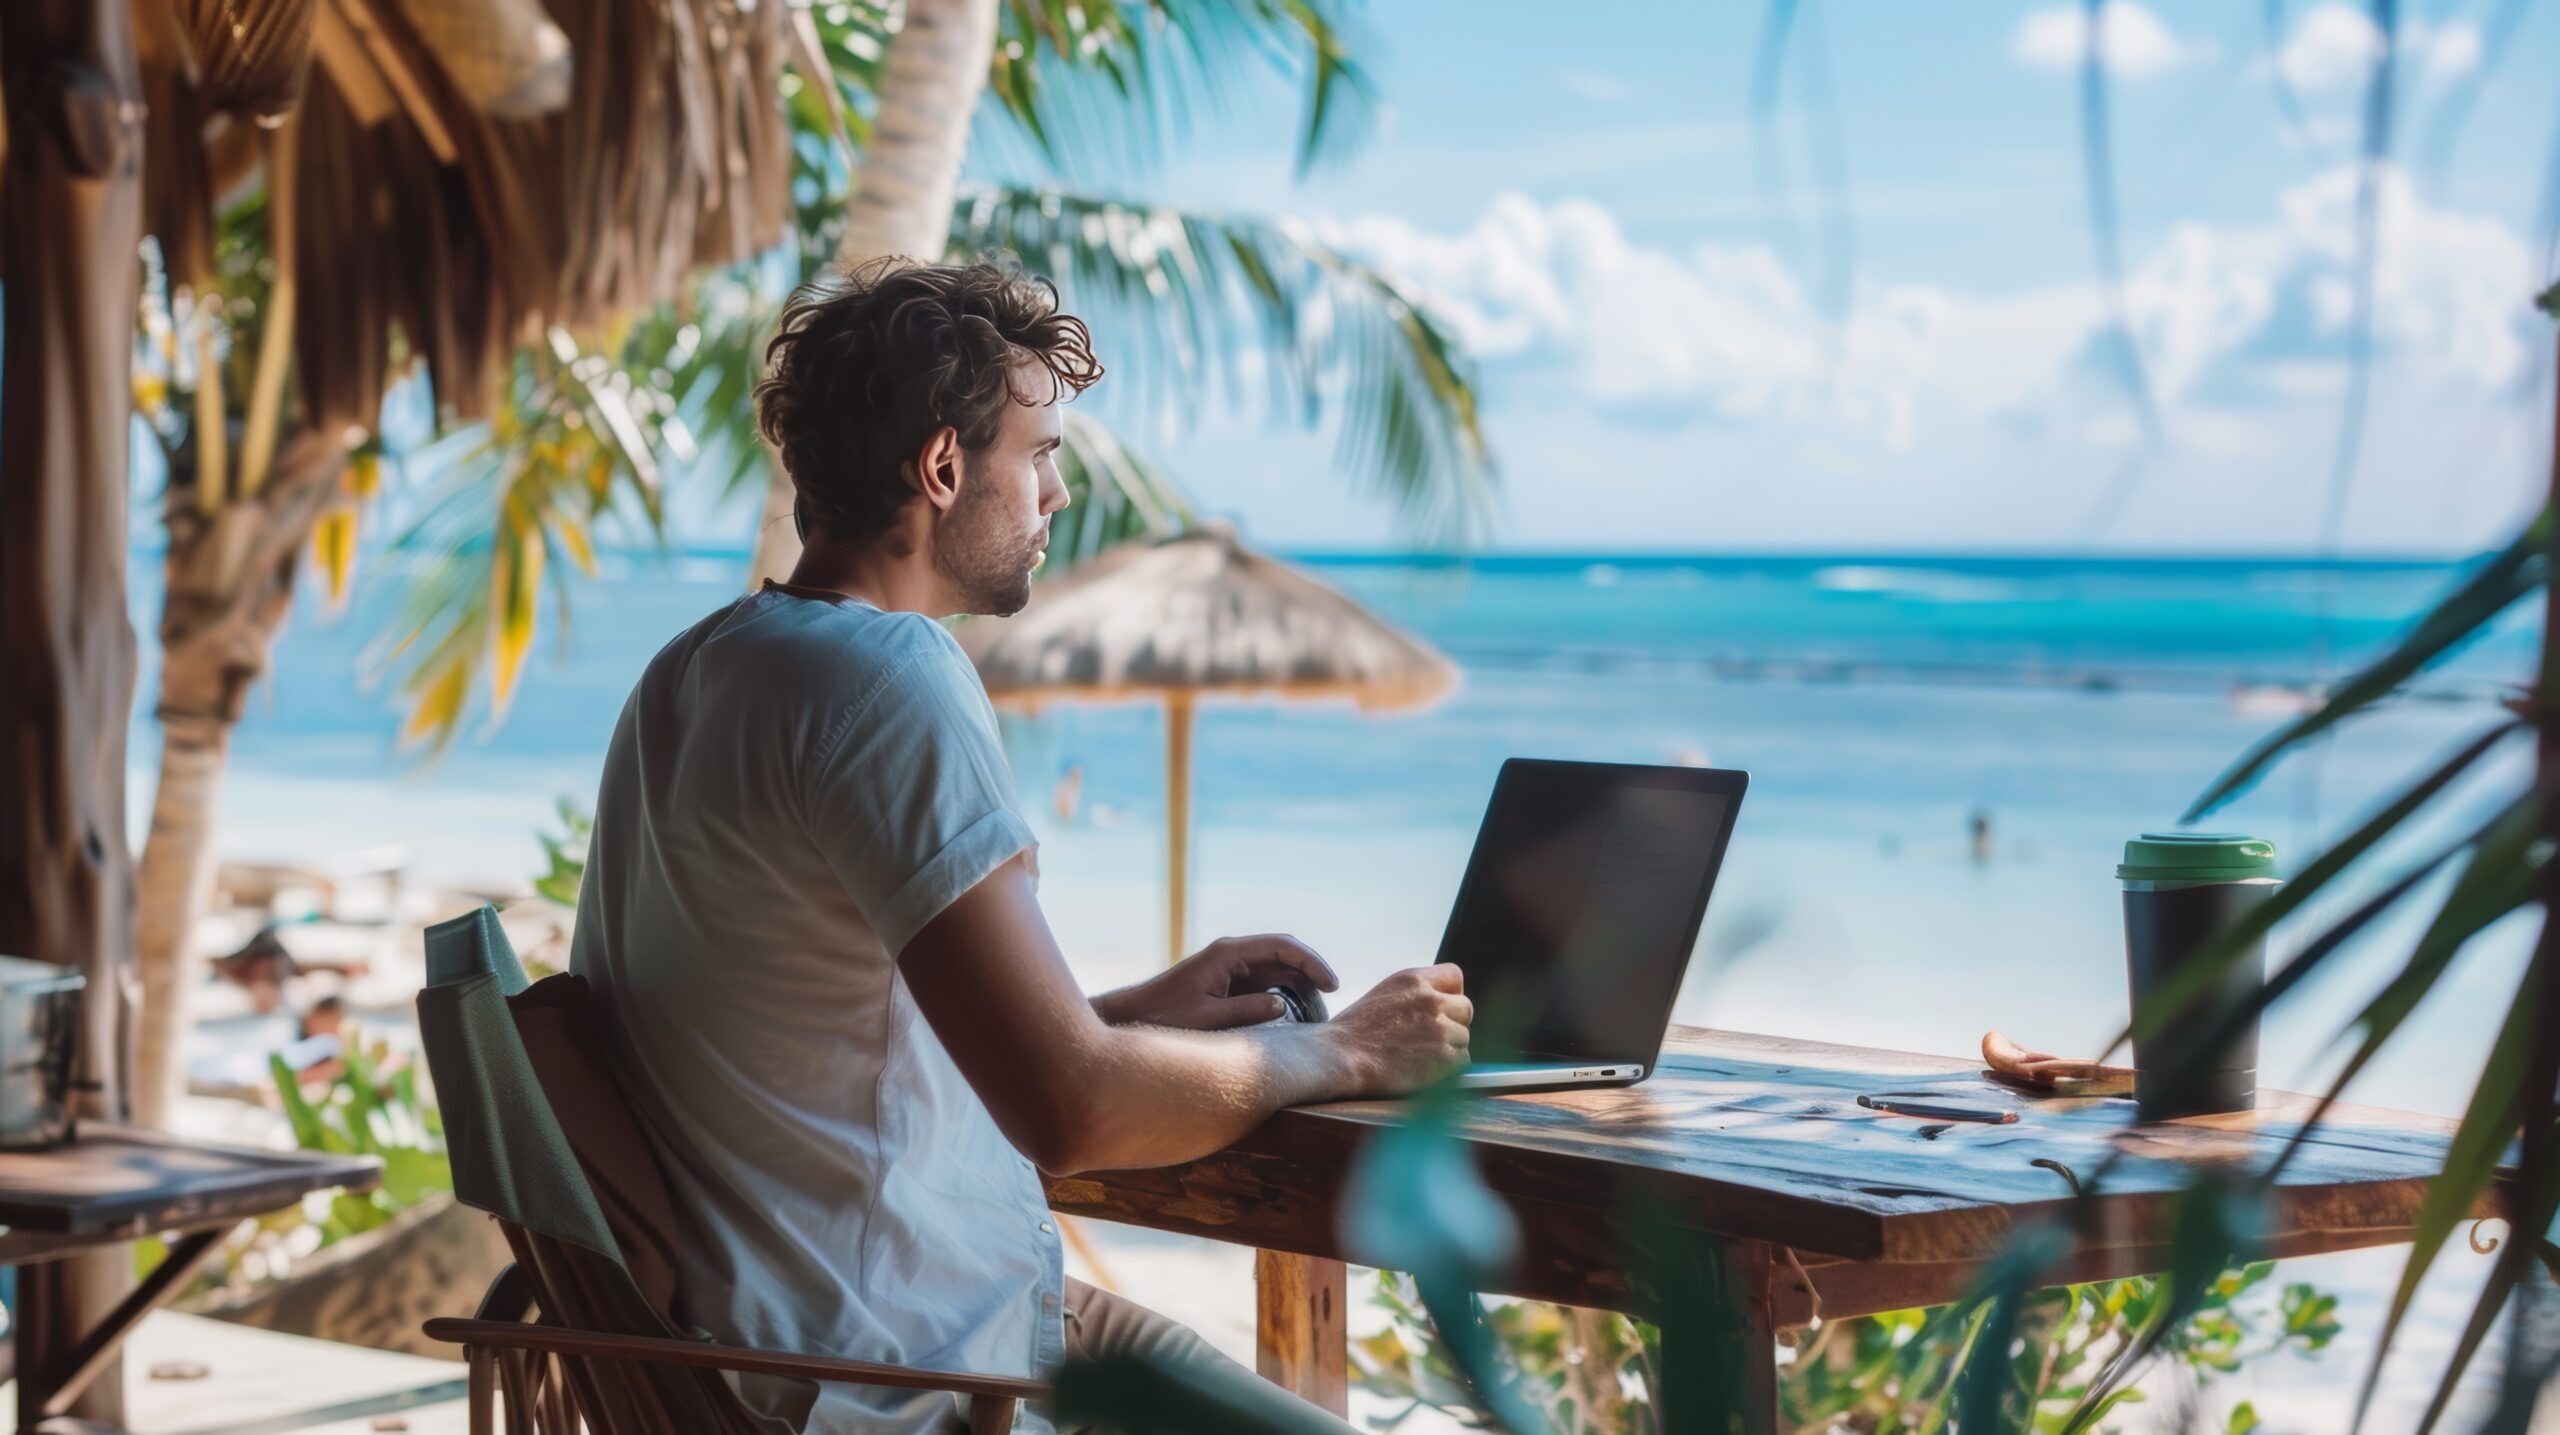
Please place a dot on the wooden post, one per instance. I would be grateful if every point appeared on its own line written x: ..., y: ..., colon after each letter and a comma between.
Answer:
x: 1713, y: 1300
x: 1300, y: 1340
x: 70, y: 232
x: 1177, y: 825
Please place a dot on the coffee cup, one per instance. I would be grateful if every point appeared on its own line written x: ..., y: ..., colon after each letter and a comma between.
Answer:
x: 2182, y: 891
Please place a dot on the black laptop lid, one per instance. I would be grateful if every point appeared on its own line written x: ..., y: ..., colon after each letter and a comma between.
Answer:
x: 1582, y: 901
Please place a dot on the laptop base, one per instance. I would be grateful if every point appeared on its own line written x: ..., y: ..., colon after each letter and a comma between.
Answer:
x: 1548, y: 1075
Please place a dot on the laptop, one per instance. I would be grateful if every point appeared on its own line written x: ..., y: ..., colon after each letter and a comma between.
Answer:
x: 1580, y: 905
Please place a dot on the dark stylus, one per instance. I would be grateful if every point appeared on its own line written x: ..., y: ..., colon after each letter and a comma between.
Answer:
x: 1931, y: 1111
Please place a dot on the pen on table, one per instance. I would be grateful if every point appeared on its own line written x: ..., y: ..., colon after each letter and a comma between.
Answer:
x: 1935, y: 1111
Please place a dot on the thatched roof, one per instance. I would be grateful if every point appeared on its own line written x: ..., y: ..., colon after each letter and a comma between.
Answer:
x: 437, y: 210
x: 1199, y: 614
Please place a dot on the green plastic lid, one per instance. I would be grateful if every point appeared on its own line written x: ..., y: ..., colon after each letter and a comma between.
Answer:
x: 2197, y: 857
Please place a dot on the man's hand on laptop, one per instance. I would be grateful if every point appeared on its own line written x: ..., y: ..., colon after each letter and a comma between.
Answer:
x: 1074, y: 1091
x: 1407, y: 1030
x: 1225, y: 984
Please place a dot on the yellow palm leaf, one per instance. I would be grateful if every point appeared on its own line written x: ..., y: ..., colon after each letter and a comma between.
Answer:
x: 440, y: 706
x: 333, y: 546
x: 514, y: 605
x: 573, y: 536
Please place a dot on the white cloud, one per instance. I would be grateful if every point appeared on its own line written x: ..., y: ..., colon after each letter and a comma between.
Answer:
x: 2226, y: 317
x: 2232, y: 314
x: 2333, y: 47
x: 1637, y: 330
x: 2134, y: 42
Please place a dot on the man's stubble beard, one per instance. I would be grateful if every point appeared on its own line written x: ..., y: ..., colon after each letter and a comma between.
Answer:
x: 985, y: 565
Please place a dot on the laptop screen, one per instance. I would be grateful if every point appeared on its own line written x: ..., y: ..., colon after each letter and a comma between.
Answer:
x: 1581, y: 902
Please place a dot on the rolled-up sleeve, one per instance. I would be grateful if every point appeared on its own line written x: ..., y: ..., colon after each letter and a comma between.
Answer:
x: 910, y: 797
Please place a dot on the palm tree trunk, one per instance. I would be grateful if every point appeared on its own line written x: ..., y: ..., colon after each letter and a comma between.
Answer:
x: 70, y: 232
x: 172, y: 888
x: 901, y: 203
x: 230, y: 585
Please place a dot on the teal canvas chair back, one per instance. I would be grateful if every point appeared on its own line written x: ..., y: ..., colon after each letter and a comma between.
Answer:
x: 513, y: 1158
x: 510, y: 1156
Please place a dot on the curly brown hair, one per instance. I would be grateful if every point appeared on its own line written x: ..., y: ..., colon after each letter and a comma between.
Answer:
x: 868, y: 363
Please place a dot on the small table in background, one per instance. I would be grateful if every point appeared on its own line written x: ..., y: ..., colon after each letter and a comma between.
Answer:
x: 1808, y: 1204
x: 111, y: 1185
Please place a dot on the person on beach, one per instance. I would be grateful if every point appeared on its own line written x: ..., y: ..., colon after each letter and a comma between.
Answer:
x: 810, y: 909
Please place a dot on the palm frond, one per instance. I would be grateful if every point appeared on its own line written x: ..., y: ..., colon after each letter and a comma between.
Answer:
x: 1103, y: 79
x: 575, y: 439
x: 1793, y: 25
x: 2347, y: 453
x: 2497, y: 584
x: 1209, y: 304
x: 2106, y: 236
x: 1117, y: 496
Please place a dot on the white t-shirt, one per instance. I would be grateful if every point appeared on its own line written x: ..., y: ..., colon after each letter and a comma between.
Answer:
x: 798, y: 785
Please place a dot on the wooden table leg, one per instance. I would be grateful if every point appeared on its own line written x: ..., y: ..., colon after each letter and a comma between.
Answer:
x: 55, y: 1368
x: 1719, y: 1344
x: 1300, y: 1341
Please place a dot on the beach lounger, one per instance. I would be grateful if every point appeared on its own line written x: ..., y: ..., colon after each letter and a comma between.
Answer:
x: 576, y: 1332
x: 258, y: 886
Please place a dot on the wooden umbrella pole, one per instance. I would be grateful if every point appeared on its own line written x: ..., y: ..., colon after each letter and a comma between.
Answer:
x: 1177, y: 822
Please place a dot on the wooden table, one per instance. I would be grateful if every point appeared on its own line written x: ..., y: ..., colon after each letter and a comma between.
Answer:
x: 114, y: 1185
x: 1812, y: 1204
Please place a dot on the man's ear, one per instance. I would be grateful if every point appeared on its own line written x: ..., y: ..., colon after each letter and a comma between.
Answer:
x: 935, y: 470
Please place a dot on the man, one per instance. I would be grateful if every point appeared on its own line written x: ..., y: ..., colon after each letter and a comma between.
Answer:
x: 809, y: 899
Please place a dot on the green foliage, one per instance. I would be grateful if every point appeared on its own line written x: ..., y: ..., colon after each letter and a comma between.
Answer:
x: 1594, y: 1373
x: 2518, y: 569
x: 1201, y: 302
x: 370, y: 1107
x: 565, y: 855
x: 1113, y: 78
x: 582, y: 435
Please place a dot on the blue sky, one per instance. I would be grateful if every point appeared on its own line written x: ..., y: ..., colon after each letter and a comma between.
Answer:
x: 1574, y: 187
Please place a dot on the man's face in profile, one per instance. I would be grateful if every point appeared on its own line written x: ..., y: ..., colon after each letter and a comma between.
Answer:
x: 998, y: 526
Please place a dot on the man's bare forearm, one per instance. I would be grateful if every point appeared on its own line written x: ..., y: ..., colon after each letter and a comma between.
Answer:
x: 1075, y: 1093
x: 1154, y: 1096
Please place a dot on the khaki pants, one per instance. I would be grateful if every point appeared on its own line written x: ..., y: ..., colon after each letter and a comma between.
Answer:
x: 1101, y: 1324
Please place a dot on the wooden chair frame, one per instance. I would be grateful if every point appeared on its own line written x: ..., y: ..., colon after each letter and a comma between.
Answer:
x: 511, y: 1355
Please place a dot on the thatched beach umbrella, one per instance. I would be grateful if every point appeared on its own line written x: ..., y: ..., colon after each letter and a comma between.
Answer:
x: 1192, y: 616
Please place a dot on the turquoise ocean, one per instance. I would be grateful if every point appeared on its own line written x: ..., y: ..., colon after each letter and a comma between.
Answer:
x: 1880, y: 704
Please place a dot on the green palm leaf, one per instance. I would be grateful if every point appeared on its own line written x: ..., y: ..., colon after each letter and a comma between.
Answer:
x: 2497, y: 880
x: 1116, y: 496
x: 575, y: 439
x: 2206, y: 971
x: 1113, y: 78
x: 1191, y: 295
x: 2498, y: 1106
x: 2511, y: 573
